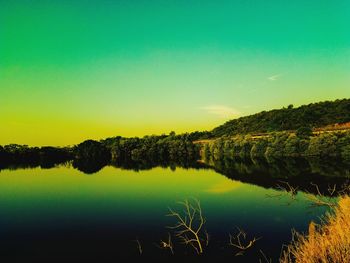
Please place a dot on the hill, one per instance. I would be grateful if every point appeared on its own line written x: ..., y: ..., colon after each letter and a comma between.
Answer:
x: 314, y: 115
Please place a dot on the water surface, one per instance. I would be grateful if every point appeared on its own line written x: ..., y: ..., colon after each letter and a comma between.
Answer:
x: 62, y: 214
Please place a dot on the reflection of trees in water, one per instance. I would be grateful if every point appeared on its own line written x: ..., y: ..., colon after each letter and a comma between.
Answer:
x: 94, y: 164
x: 266, y: 172
x: 88, y: 166
x: 299, y: 172
x: 30, y: 164
x: 139, y: 165
x: 330, y: 167
x: 288, y: 167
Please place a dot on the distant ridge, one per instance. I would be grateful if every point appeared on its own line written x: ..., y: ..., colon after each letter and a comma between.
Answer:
x: 314, y: 115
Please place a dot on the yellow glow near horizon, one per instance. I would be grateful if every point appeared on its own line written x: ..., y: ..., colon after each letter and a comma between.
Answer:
x: 132, y: 69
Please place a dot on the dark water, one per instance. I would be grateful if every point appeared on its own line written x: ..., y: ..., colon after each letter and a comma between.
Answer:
x: 63, y: 215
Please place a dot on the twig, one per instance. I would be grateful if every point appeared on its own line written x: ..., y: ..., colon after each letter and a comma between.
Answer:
x: 239, y: 241
x: 167, y: 244
x: 320, y: 199
x: 285, y: 190
x: 139, y: 246
x: 265, y: 257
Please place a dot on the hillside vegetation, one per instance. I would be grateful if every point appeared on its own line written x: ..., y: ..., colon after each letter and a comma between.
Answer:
x: 314, y: 115
x: 279, y: 144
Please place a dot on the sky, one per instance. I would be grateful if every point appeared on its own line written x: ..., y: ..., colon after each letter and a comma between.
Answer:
x: 75, y: 70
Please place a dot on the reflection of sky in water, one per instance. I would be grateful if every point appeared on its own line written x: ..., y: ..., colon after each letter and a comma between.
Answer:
x: 63, y: 197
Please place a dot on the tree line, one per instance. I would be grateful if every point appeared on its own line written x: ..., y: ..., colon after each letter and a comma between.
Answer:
x: 90, y: 155
x: 25, y: 156
x: 164, y: 148
x: 279, y: 144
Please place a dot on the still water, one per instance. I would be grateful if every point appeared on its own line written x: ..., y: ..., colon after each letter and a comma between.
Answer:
x: 63, y: 215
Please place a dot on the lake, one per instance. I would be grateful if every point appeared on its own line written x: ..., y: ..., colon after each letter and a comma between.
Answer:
x: 62, y: 214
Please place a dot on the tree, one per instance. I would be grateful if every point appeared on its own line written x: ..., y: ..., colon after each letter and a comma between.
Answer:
x: 343, y: 145
x: 323, y: 145
x: 206, y: 152
x: 295, y: 146
x: 258, y: 148
x: 246, y: 146
x: 276, y: 145
x: 217, y: 149
x: 304, y: 132
x: 91, y: 150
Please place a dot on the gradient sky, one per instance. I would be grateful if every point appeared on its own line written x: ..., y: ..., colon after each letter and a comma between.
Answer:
x: 73, y: 70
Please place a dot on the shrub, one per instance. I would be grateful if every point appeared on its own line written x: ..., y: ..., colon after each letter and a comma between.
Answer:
x: 327, y: 243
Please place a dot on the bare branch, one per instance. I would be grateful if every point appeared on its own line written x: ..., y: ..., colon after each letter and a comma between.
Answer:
x: 320, y: 199
x: 317, y: 189
x: 207, y: 237
x: 264, y: 257
x: 190, y: 224
x: 285, y: 190
x: 239, y: 241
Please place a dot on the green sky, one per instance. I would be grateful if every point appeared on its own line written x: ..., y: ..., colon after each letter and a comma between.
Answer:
x: 72, y: 70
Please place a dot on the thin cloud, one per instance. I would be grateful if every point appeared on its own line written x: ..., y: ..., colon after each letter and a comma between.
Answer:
x: 274, y: 77
x: 221, y: 111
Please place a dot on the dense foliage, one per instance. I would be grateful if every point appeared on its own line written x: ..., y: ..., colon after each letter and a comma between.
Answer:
x: 90, y: 156
x: 313, y: 115
x: 281, y: 144
x: 33, y: 156
x: 164, y: 148
x: 91, y: 150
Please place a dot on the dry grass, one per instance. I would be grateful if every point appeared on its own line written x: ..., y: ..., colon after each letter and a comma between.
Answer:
x: 329, y: 242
